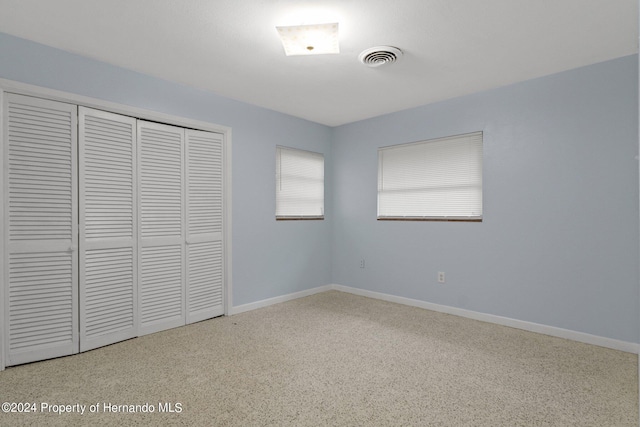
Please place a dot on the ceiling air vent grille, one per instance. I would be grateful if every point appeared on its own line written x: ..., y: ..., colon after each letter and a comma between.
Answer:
x: 380, y: 55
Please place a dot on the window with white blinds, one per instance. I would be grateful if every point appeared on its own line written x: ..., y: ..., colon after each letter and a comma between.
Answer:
x: 299, y: 184
x: 438, y: 179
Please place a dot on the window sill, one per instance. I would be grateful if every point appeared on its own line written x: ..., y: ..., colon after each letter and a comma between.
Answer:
x: 302, y: 218
x: 430, y: 219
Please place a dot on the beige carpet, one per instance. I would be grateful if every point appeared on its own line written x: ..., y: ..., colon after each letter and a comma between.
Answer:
x: 335, y: 359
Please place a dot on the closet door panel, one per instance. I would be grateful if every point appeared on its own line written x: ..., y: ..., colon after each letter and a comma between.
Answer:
x: 205, y: 279
x: 41, y: 258
x: 162, y: 230
x: 161, y: 285
x: 108, y: 273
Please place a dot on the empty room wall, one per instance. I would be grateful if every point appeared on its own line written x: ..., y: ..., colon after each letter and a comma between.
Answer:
x: 269, y: 259
x: 559, y: 241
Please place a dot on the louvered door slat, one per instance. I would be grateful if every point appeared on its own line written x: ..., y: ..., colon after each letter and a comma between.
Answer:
x: 108, y: 269
x: 40, y: 160
x: 162, y: 230
x: 205, y: 277
x: 204, y: 183
x: 161, y: 285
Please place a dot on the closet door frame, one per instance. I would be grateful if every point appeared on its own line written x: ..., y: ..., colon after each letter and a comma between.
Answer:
x: 80, y: 100
x: 4, y: 246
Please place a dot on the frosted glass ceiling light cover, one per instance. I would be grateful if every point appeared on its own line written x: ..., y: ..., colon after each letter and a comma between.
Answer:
x: 315, y: 39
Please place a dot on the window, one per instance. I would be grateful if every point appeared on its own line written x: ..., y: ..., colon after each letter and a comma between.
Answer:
x: 299, y: 184
x: 439, y: 179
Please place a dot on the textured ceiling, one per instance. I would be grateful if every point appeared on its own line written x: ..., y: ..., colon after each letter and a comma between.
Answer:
x: 231, y: 47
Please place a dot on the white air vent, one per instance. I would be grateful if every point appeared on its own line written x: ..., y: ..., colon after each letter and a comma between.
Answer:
x: 380, y: 55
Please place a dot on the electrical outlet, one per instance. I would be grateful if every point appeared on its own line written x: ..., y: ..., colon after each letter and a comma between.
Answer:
x: 361, y: 263
x: 441, y: 277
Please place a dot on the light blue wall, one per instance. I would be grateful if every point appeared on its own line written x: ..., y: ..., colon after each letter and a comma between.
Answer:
x: 269, y: 258
x: 559, y: 240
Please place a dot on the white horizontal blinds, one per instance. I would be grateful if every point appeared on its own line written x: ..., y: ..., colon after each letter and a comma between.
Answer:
x: 299, y: 184
x: 204, y: 225
x: 108, y: 292
x: 41, y: 275
x: 439, y: 178
x: 162, y: 231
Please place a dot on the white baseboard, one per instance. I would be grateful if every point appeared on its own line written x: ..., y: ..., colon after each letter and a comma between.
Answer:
x: 276, y: 300
x: 553, y: 331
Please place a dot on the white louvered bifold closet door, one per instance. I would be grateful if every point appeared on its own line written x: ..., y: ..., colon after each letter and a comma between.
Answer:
x: 161, y: 227
x: 204, y: 225
x: 108, y: 234
x: 41, y: 274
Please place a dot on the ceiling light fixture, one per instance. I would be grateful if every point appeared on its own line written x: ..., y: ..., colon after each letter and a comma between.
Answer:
x: 315, y: 39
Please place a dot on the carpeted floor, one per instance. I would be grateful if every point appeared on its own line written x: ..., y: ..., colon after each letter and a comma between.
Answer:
x: 333, y: 359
